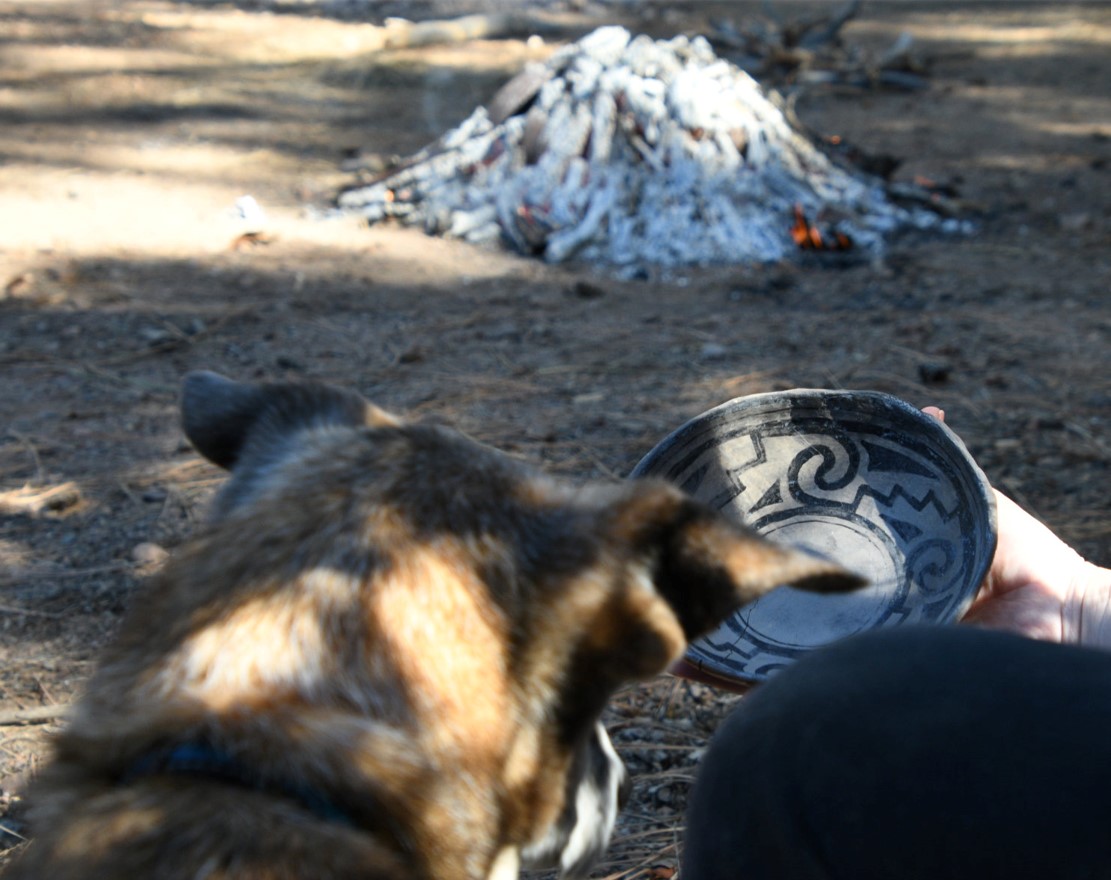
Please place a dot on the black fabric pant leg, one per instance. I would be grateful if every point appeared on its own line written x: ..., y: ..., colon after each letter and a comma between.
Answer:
x: 933, y: 753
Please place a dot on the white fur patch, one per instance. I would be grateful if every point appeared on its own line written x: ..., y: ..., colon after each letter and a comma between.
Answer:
x: 596, y: 812
x: 507, y: 865
x: 575, y: 848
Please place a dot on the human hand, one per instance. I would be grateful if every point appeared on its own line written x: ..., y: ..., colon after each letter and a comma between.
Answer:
x: 1038, y: 586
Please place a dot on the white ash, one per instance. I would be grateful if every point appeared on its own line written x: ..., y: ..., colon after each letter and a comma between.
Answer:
x: 635, y: 153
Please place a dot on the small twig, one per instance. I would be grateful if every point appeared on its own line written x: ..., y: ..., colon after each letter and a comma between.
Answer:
x: 131, y: 496
x: 647, y: 862
x: 810, y: 37
x: 673, y: 693
x: 67, y: 573
x: 26, y: 443
x: 1082, y: 432
x: 45, y: 690
x: 641, y: 746
x: 598, y: 463
x: 30, y: 612
x: 36, y: 715
x: 7, y: 829
x: 680, y: 774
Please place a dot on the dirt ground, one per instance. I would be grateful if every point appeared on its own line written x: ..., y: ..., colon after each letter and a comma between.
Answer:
x: 129, y: 129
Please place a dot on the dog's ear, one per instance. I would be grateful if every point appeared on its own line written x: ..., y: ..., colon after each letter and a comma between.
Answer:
x: 674, y: 570
x: 703, y: 566
x: 219, y: 415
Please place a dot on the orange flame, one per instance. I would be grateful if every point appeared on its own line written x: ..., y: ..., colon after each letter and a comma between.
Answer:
x: 809, y: 238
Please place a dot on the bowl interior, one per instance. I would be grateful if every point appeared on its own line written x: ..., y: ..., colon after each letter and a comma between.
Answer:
x: 860, y: 477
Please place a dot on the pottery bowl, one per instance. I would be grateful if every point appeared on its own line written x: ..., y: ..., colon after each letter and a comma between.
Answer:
x: 859, y: 477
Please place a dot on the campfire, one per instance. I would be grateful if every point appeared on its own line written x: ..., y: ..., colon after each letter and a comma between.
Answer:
x: 638, y: 153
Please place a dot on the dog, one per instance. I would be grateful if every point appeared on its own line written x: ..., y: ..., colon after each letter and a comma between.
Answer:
x: 385, y: 655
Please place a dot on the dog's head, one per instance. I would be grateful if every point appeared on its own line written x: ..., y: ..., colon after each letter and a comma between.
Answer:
x: 482, y: 608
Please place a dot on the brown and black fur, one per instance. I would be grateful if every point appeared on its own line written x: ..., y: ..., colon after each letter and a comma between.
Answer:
x: 397, y: 639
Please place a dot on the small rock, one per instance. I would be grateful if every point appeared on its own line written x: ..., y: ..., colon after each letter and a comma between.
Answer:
x: 933, y: 373
x: 155, y: 335
x: 586, y: 290
x: 250, y: 212
x: 713, y: 351
x: 1075, y: 222
x: 285, y: 362
x: 149, y: 554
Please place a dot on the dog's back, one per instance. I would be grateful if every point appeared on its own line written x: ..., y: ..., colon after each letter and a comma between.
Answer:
x: 386, y: 654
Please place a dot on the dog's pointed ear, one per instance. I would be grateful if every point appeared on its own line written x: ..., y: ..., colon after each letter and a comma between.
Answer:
x: 673, y: 570
x: 219, y: 414
x: 705, y: 566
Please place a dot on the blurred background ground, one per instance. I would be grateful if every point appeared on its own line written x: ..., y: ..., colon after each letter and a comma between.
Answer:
x: 129, y: 129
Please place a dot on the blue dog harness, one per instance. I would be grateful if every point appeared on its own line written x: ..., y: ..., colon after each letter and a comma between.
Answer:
x: 200, y: 759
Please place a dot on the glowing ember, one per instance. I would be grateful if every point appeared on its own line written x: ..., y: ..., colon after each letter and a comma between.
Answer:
x: 809, y: 238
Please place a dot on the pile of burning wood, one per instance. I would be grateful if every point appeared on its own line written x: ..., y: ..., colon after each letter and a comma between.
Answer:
x: 637, y: 153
